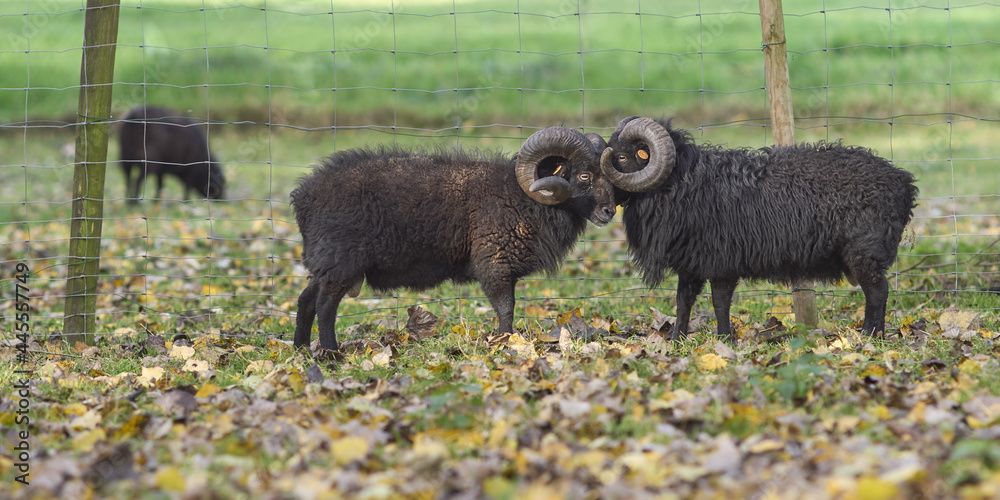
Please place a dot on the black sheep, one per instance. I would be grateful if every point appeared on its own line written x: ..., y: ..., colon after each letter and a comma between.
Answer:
x: 810, y: 211
x: 398, y: 218
x: 159, y: 141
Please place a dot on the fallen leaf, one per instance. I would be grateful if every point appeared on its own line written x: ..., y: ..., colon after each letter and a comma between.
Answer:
x: 421, y: 323
x: 573, y: 409
x: 724, y: 350
x: 710, y: 362
x: 314, y: 374
x: 383, y: 357
x: 178, y: 403
x: 181, y: 352
x: 195, y: 365
x: 565, y: 339
x: 660, y: 320
x: 767, y: 445
x: 870, y: 488
x: 149, y: 376
x: 349, y: 449
x: 170, y: 478
x: 962, y: 320
x: 522, y: 347
x: 207, y: 390
x: 85, y: 442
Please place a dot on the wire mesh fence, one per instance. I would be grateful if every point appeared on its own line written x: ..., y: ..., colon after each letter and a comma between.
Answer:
x: 277, y: 86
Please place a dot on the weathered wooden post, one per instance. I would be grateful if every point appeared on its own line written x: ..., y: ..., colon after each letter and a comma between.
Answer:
x: 772, y: 26
x: 93, y: 116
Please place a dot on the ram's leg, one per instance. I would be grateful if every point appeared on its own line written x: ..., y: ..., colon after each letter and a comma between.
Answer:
x: 159, y: 185
x: 139, y: 182
x: 127, y: 173
x: 722, y: 299
x: 306, y: 314
x: 327, y: 304
x: 876, y: 289
x: 687, y: 293
x: 500, y: 292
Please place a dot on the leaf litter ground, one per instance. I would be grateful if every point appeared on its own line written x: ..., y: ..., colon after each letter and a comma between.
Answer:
x: 588, y: 409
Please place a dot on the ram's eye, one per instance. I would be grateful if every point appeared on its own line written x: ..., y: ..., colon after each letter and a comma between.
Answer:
x: 623, y: 158
x: 585, y: 176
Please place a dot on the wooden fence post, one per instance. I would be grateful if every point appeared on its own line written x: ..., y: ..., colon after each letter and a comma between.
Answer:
x: 772, y: 26
x: 93, y: 117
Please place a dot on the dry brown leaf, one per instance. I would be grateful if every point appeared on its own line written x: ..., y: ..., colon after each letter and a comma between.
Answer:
x: 421, y: 323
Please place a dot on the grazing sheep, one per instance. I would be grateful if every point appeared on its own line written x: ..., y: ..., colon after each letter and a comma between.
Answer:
x: 398, y: 218
x: 785, y: 213
x: 159, y: 141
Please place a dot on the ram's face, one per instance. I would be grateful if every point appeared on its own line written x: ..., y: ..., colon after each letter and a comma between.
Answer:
x: 590, y: 192
x: 630, y: 156
x: 561, y: 166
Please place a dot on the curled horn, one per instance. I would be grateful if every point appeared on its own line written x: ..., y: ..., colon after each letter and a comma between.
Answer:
x: 552, y: 141
x: 621, y: 125
x: 598, y: 142
x: 662, y: 156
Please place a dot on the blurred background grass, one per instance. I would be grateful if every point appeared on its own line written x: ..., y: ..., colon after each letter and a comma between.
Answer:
x: 286, y: 85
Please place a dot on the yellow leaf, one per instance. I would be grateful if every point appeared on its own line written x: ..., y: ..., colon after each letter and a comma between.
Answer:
x: 259, y: 365
x: 767, y: 445
x: 882, y: 413
x: 205, y: 341
x: 181, y: 352
x: 969, y: 366
x: 975, y: 423
x: 870, y: 488
x: 847, y: 422
x: 130, y: 428
x: 296, y: 382
x: 851, y: 358
x: 840, y: 343
x: 349, y: 449
x: 382, y: 358
x: 963, y: 320
x: 498, y: 433
x: 710, y: 362
x: 207, y: 390
x: 195, y: 365
x: 170, y: 478
x: 210, y: 290
x: 428, y: 448
x: 149, y: 376
x: 874, y: 370
x: 88, y: 420
x: 74, y: 409
x: 917, y: 412
x: 86, y: 441
x: 277, y: 346
x: 518, y: 344
x: 565, y: 317
x: 535, y: 311
x: 548, y: 339
x: 888, y: 357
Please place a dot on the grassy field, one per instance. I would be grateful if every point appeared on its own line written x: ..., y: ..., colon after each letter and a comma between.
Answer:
x: 192, y: 390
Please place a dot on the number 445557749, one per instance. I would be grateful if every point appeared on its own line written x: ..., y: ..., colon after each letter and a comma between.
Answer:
x: 22, y: 319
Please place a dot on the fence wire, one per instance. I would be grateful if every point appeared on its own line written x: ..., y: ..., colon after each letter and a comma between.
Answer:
x: 276, y: 87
